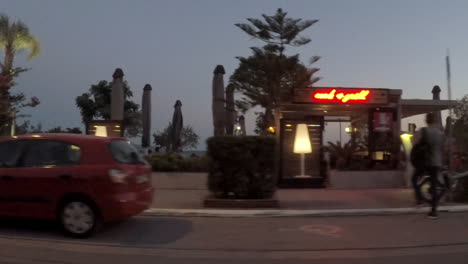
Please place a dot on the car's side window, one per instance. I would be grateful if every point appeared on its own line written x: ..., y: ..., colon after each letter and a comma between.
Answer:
x: 10, y: 152
x: 51, y: 153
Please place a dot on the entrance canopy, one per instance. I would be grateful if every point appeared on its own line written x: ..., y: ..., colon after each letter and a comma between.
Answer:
x: 374, y: 115
x: 355, y: 102
x: 412, y: 107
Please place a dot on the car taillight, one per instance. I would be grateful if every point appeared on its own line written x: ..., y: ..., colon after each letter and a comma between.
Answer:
x: 118, y: 176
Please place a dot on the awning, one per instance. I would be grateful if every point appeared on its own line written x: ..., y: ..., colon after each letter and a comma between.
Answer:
x: 412, y: 107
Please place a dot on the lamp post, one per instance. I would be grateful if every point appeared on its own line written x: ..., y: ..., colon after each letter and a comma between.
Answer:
x: 302, y: 145
x: 13, y: 124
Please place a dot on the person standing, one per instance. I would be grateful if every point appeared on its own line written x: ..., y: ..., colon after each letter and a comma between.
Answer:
x: 434, y: 138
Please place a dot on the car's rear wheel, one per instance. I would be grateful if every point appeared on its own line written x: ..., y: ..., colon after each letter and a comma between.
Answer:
x: 78, y: 218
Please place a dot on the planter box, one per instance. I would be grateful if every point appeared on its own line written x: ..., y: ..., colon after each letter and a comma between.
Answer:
x: 369, y: 179
x: 212, y: 202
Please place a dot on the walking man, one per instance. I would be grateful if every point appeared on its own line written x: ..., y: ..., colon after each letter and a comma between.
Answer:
x: 434, y: 139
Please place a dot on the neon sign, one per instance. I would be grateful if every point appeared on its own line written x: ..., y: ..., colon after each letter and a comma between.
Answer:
x: 344, y: 96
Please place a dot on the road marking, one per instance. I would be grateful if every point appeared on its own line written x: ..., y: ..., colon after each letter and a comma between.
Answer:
x: 323, y: 230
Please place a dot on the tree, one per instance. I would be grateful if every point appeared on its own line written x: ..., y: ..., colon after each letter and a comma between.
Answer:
x: 27, y: 128
x: 14, y: 38
x: 74, y: 130
x: 189, y: 139
x: 268, y: 76
x: 262, y: 83
x: 96, y: 104
x: 278, y: 31
x: 460, y: 124
x: 343, y: 153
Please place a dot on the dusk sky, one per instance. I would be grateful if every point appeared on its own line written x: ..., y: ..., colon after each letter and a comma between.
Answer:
x: 175, y: 45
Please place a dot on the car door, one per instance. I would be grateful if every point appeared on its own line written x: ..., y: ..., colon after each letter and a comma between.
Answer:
x: 47, y: 171
x: 10, y: 152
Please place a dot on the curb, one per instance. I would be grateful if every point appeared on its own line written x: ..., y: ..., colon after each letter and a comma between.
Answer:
x: 236, y: 213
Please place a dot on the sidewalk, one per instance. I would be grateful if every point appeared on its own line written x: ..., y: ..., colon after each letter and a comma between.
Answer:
x: 185, y: 192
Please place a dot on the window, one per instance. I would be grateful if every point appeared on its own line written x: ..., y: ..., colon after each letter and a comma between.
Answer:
x: 123, y: 152
x: 51, y: 153
x: 10, y: 151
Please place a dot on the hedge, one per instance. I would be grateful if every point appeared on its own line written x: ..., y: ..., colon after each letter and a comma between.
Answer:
x: 175, y: 162
x: 242, y: 167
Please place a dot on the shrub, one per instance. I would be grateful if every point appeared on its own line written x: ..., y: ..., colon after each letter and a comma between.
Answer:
x: 242, y: 167
x: 175, y: 162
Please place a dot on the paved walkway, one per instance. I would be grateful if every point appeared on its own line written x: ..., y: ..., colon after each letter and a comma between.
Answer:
x: 187, y: 191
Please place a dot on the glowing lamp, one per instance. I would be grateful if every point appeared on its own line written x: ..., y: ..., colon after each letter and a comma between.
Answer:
x: 302, y: 145
x: 406, y: 140
x: 271, y: 129
x: 101, y: 131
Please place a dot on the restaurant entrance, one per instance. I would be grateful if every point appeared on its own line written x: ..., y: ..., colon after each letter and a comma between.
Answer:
x: 374, y: 117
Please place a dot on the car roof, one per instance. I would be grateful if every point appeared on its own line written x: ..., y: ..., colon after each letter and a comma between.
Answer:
x: 65, y: 137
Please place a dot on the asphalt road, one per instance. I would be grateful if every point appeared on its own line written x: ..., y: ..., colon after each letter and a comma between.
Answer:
x: 360, y: 239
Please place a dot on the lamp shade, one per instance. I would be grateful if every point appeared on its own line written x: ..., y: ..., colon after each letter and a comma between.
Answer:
x: 302, y: 140
x: 101, y: 131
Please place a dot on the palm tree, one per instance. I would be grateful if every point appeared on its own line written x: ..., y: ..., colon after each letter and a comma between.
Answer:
x: 14, y: 38
x: 343, y: 153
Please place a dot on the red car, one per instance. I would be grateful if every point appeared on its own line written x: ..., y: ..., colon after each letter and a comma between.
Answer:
x: 81, y: 181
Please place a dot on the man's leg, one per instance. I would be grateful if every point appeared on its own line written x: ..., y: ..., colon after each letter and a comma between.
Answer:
x: 434, y: 173
x: 418, y: 173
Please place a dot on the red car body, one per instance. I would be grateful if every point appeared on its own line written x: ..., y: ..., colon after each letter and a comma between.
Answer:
x: 30, y: 187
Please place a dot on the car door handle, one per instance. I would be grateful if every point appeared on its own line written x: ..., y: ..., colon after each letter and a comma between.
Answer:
x: 7, y: 177
x: 65, y: 177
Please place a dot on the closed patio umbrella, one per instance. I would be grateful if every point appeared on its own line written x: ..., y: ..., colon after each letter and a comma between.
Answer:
x: 242, y: 125
x: 117, y: 95
x: 436, y: 96
x: 176, y: 128
x: 218, y: 101
x: 230, y: 110
x: 146, y: 112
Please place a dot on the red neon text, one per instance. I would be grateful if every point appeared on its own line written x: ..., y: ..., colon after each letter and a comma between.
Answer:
x: 342, y: 96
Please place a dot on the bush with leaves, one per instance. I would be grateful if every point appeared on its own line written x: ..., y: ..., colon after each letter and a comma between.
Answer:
x: 172, y: 162
x: 342, y: 154
x: 242, y: 167
x: 188, y: 138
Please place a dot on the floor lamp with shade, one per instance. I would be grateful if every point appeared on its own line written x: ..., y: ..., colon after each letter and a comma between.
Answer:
x: 302, y: 145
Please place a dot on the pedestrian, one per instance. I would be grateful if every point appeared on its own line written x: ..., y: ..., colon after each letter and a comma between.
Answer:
x: 433, y: 139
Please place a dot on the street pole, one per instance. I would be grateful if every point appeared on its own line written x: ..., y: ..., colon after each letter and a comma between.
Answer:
x: 13, y: 124
x: 449, y: 91
x: 449, y: 85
